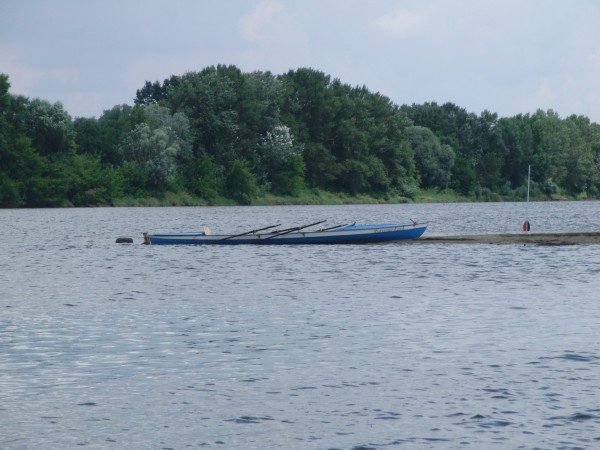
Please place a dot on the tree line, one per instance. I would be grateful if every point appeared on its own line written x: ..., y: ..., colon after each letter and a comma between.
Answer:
x: 221, y: 133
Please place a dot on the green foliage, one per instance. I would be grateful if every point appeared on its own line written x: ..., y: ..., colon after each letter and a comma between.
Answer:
x: 280, y: 161
x: 434, y: 161
x: 4, y: 95
x: 353, y: 176
x: 353, y: 138
x: 203, y: 136
x: 157, y: 146
x: 24, y: 173
x: 10, y: 193
x: 581, y: 175
x: 321, y: 167
x: 241, y: 183
x: 114, y: 126
x: 562, y: 153
x: 47, y: 187
x: 289, y: 179
x: 203, y: 178
x: 48, y: 126
x: 463, y: 176
x: 91, y: 184
x: 484, y: 194
x: 135, y: 180
x: 308, y: 106
x: 209, y: 100
x: 475, y: 139
x: 88, y: 136
x: 150, y: 94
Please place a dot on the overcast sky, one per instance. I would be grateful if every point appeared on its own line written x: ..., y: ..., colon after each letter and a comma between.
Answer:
x: 506, y: 56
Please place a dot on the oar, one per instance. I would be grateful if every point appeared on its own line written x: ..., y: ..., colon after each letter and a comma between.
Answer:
x: 249, y: 232
x: 334, y: 227
x: 291, y: 230
x: 286, y: 230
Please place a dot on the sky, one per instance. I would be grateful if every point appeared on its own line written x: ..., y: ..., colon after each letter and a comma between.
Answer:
x: 505, y: 56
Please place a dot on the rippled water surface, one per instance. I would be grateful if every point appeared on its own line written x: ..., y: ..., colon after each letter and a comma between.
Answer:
x: 374, y: 346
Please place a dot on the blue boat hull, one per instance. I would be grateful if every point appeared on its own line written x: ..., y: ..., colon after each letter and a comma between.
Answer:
x: 354, y: 234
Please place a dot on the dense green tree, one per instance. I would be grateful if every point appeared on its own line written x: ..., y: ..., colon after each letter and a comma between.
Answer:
x: 434, y: 161
x: 241, y: 183
x: 476, y: 139
x: 158, y: 146
x: 463, y: 178
x: 220, y: 132
x: 22, y: 169
x: 150, y: 94
x: 549, y: 146
x: 4, y: 96
x: 280, y: 161
x: 202, y: 177
x: 289, y: 179
x: 89, y: 183
x: 493, y: 150
x: 48, y: 125
x: 581, y: 175
x: 387, y: 140
x: 264, y: 97
x: 354, y: 176
x: 11, y: 147
x: 308, y: 108
x: 209, y: 100
x: 88, y: 136
x: 115, y: 124
x: 154, y: 92
x: 135, y: 180
x: 517, y: 135
x: 322, y: 168
x: 452, y: 124
x: 346, y: 129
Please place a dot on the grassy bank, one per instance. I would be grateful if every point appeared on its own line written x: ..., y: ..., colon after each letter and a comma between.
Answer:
x: 319, y: 197
x: 309, y: 197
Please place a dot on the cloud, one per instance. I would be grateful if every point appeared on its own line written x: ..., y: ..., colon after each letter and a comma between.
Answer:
x: 578, y: 90
x: 591, y: 87
x: 509, y: 57
x: 274, y: 37
x: 262, y: 21
x: 157, y: 67
x: 24, y: 79
x: 89, y: 103
x: 572, y: 90
x: 546, y: 93
x: 404, y: 22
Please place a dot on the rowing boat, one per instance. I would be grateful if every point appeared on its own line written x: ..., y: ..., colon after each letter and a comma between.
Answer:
x: 339, y: 234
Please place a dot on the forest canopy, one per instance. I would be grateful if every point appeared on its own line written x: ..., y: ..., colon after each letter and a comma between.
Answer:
x: 223, y: 134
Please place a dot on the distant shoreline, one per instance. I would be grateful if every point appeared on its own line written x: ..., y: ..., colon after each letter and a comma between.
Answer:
x: 322, y: 198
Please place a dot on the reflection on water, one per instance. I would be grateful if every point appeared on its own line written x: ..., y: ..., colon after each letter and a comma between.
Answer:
x: 430, y: 346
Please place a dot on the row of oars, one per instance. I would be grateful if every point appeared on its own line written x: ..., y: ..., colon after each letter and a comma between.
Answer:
x: 285, y: 231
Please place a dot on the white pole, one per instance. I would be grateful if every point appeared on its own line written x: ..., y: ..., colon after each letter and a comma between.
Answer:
x: 526, y: 223
x: 528, y: 178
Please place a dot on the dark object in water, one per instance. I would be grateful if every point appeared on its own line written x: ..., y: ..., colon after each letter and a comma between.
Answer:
x: 124, y: 240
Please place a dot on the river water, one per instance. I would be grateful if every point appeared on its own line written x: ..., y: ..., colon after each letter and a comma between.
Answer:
x: 444, y: 346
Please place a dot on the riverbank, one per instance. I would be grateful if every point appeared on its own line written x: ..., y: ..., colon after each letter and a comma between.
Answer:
x: 320, y: 197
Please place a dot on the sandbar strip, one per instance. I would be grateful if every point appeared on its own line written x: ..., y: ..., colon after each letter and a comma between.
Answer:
x: 570, y: 238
